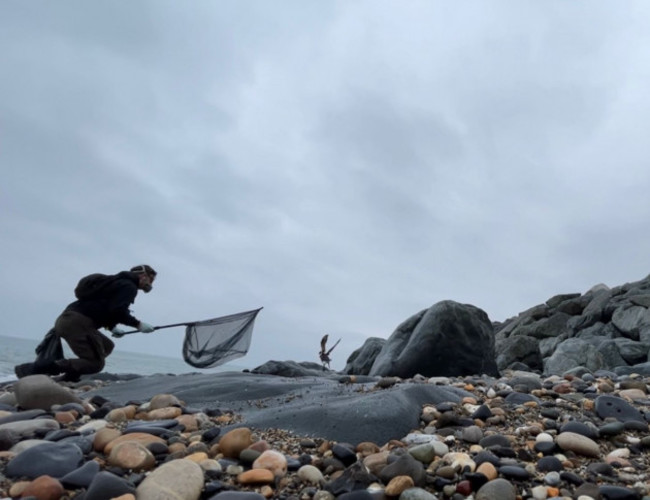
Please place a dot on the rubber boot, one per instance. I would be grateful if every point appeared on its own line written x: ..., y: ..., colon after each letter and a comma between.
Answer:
x: 24, y: 370
x: 68, y: 374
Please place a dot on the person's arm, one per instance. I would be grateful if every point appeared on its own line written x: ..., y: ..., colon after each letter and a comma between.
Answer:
x: 119, y: 306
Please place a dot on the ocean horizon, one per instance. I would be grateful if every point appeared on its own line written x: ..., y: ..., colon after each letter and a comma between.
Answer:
x: 16, y: 350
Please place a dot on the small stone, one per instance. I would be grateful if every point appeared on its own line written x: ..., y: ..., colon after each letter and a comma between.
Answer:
x: 415, y: 494
x: 398, y: 484
x: 131, y: 455
x: 310, y: 474
x: 170, y: 412
x: 163, y: 401
x: 514, y: 472
x: 618, y: 408
x: 256, y: 476
x: 139, y: 437
x: 234, y: 441
x: 552, y: 478
x: 272, y: 460
x: 472, y: 434
x: 176, y: 479
x: 582, y: 445
x: 488, y: 470
x: 52, y: 459
x: 618, y: 493
x: 498, y: 489
x: 550, y: 463
x: 106, y: 485
x: 44, y: 488
x: 103, y: 437
x: 81, y: 477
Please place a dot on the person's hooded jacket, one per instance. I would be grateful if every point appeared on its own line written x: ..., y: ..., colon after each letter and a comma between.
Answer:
x: 111, y: 305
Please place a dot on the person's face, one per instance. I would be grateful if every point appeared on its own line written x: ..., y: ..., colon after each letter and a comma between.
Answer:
x: 146, y: 282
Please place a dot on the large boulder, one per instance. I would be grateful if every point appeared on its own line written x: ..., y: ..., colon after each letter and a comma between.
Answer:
x: 292, y: 369
x: 571, y: 353
x: 360, y: 361
x: 41, y: 392
x: 448, y: 339
x: 519, y: 349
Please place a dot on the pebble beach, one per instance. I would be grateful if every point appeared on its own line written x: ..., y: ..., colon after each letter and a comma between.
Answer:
x: 519, y: 436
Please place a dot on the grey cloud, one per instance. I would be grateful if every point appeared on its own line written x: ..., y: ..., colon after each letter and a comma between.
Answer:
x: 343, y: 165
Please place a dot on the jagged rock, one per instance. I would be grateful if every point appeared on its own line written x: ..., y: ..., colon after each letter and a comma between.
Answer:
x: 632, y: 352
x: 593, y: 312
x: 41, y: 392
x: 631, y: 320
x: 556, y: 300
x: 609, y: 350
x: 447, y: 339
x: 361, y: 360
x: 574, y: 352
x: 596, y: 330
x: 548, y: 346
x: 292, y: 369
x: 546, y: 327
x: 522, y: 349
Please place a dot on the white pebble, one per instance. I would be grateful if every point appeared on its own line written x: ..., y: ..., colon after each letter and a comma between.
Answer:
x: 539, y: 492
x: 543, y: 437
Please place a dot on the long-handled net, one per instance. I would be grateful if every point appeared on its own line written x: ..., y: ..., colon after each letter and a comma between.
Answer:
x: 213, y: 342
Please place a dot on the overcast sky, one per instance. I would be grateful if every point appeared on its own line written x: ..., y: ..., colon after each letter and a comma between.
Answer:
x: 342, y: 164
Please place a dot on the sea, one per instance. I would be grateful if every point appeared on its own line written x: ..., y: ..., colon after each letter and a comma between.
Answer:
x: 14, y: 351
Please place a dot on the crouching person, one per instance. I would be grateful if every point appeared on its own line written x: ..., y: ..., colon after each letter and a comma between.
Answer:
x: 103, y: 301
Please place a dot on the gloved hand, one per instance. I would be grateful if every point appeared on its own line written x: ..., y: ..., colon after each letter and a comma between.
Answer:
x: 145, y: 327
x: 117, y: 332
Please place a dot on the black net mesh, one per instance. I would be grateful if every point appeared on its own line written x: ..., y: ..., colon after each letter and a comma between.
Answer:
x: 215, y: 341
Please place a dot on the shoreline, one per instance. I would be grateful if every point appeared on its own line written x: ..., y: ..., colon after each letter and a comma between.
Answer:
x: 520, y: 435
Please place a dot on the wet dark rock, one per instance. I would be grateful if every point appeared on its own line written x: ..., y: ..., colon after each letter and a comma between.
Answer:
x: 614, y: 407
x: 81, y: 477
x: 611, y: 429
x: 345, y: 453
x: 580, y: 428
x: 483, y: 412
x: 571, y: 478
x: 519, y: 398
x: 486, y: 456
x: 449, y: 339
x: 545, y: 447
x: 495, y: 440
x: 355, y: 477
x: 357, y: 495
x: 590, y: 490
x: 549, y: 463
x: 53, y: 459
x: 237, y: 495
x: 618, y: 493
x: 8, y: 438
x: 361, y: 360
x: 601, y: 469
x: 405, y: 465
x: 514, y: 472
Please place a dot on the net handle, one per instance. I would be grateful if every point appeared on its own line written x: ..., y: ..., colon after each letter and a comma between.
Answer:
x: 190, y: 323
x: 155, y: 328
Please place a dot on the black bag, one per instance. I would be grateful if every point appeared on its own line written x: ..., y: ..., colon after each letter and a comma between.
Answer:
x: 91, y: 286
x: 48, y: 352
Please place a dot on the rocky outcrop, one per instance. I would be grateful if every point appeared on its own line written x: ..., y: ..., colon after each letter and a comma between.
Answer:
x: 447, y: 339
x: 602, y: 329
x: 360, y: 361
x: 292, y: 369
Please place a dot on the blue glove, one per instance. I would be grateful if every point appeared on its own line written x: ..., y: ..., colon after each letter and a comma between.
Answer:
x: 145, y: 327
x: 117, y: 332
